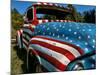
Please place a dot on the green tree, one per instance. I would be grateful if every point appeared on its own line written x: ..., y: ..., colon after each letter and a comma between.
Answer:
x: 79, y: 17
x: 17, y: 19
x: 73, y: 11
x: 90, y: 16
x: 16, y: 22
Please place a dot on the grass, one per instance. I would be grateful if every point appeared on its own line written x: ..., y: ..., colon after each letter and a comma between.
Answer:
x: 18, y: 59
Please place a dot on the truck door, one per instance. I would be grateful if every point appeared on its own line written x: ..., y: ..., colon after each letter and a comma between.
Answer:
x: 27, y: 27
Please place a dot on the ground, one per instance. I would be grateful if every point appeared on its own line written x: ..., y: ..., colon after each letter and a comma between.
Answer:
x: 18, y: 58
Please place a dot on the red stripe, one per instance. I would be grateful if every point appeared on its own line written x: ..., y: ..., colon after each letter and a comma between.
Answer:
x: 60, y: 50
x: 43, y: 21
x: 25, y: 43
x: 30, y: 28
x: 20, y: 32
x: 77, y: 48
x: 52, y: 60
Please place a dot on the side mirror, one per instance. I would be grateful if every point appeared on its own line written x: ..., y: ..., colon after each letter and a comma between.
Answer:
x: 24, y: 18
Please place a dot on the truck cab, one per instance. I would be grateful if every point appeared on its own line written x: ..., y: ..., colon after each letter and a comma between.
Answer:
x: 51, y: 39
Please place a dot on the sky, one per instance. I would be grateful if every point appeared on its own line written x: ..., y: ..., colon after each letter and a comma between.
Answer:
x: 21, y: 6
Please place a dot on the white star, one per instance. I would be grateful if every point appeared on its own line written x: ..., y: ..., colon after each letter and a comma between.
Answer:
x: 57, y: 29
x: 60, y: 26
x: 86, y: 49
x: 43, y: 33
x: 44, y: 26
x: 83, y: 30
x: 66, y: 38
x: 93, y: 41
x: 53, y: 34
x: 63, y: 27
x: 48, y: 28
x: 75, y: 33
x: 79, y: 37
x: 92, y: 65
x: 93, y: 57
x: 90, y: 30
x: 71, y: 41
x: 70, y: 25
x: 63, y: 35
x: 58, y: 36
x: 88, y: 36
x: 50, y: 33
x: 77, y: 45
x: 69, y: 30
x: 93, y: 46
x: 77, y: 27
x: 86, y: 43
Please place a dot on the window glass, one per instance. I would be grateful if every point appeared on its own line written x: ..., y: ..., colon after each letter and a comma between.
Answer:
x: 30, y: 14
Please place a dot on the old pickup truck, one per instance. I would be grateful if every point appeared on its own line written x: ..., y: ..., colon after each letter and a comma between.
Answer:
x: 54, y: 43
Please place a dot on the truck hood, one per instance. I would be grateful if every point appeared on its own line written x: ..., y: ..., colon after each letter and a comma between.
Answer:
x: 82, y: 35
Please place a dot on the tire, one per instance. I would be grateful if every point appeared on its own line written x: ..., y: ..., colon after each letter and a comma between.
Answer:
x: 77, y: 67
x: 33, y: 65
x: 19, y: 42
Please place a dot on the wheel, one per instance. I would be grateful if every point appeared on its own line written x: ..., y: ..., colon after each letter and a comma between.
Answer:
x: 33, y: 65
x: 19, y: 42
x: 77, y: 66
x: 38, y: 68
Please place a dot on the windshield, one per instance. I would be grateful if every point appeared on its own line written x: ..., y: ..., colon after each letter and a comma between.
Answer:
x: 51, y: 13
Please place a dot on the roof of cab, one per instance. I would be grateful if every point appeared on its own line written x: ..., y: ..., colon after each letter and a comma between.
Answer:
x: 51, y: 6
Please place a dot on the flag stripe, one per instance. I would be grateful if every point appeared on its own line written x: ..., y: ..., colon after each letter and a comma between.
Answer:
x: 63, y: 59
x: 69, y: 55
x: 25, y: 42
x: 45, y: 62
x: 64, y: 43
x: 52, y: 60
x: 59, y: 45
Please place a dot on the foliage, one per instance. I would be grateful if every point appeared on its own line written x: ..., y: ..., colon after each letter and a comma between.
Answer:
x: 17, y: 19
x: 73, y: 11
x: 50, y: 17
x: 90, y: 16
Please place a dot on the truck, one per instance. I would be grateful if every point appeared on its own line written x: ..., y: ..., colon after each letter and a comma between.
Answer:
x: 54, y: 43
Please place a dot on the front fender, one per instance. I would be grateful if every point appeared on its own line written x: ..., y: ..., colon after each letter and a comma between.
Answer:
x: 32, y: 52
x: 19, y: 38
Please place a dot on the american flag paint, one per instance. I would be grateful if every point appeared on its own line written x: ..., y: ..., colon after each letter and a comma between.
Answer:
x: 58, y: 43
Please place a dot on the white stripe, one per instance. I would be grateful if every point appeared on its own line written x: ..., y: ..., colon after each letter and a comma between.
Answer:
x: 56, y: 4
x: 61, y: 20
x: 40, y: 21
x: 58, y: 56
x: 25, y: 41
x: 57, y: 20
x: 47, y: 64
x: 46, y: 20
x: 28, y: 31
x: 39, y: 3
x: 25, y: 25
x: 50, y: 4
x: 33, y: 26
x: 24, y: 46
x: 52, y: 20
x: 66, y: 47
x: 21, y: 30
x: 26, y: 36
x: 18, y: 38
x: 45, y: 3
